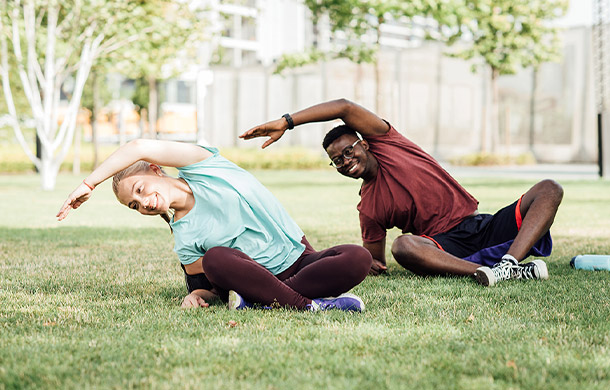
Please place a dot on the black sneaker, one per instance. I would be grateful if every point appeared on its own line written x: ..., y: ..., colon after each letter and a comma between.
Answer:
x: 535, y: 269
x: 504, y: 270
x: 511, y: 269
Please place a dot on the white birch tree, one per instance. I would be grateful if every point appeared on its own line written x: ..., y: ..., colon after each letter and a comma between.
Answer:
x: 55, y: 44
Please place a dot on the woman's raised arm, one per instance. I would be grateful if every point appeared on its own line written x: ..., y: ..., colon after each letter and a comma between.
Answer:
x: 166, y: 153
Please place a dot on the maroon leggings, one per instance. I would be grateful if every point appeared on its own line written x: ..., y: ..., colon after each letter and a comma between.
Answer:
x: 326, y: 273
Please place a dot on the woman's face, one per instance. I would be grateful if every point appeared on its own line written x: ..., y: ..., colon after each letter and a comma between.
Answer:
x: 147, y: 192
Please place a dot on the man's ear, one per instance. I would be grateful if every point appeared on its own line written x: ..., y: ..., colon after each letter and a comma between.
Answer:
x: 156, y: 169
x: 365, y: 144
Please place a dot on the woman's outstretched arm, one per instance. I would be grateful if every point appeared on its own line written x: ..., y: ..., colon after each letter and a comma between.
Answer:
x: 166, y: 153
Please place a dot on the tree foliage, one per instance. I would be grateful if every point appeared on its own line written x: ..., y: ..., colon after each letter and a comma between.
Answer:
x: 178, y: 33
x: 53, y: 45
x: 355, y: 26
x: 507, y: 34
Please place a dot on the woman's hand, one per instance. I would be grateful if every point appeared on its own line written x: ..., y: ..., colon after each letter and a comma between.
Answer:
x: 75, y: 199
x: 274, y: 130
x: 194, y: 300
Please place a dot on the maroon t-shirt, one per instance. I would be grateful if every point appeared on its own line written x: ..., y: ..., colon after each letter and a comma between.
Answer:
x: 411, y: 191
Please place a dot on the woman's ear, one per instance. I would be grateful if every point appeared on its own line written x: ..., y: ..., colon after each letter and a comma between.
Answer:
x: 156, y: 169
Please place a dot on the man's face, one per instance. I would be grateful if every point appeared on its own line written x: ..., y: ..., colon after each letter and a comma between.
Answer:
x: 350, y: 156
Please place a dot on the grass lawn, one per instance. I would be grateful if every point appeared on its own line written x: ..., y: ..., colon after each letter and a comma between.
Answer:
x: 94, y: 302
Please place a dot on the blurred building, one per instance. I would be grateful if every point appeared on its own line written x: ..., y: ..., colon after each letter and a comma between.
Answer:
x: 433, y: 99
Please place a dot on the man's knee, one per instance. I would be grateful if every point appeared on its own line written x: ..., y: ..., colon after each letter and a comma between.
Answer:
x: 405, y: 248
x: 552, y: 190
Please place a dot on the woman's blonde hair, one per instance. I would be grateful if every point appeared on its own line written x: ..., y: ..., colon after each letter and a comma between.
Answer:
x: 137, y: 167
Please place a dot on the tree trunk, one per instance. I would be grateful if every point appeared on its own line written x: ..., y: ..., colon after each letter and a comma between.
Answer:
x: 153, y: 104
x: 533, y: 109
x: 358, y: 83
x: 48, y: 170
x: 377, y: 67
x: 142, y: 123
x: 377, y: 84
x: 507, y: 140
x: 484, y: 110
x: 121, y: 123
x: 97, y: 105
x: 437, y: 105
x: 495, y: 103
x: 77, y: 141
x: 38, y: 150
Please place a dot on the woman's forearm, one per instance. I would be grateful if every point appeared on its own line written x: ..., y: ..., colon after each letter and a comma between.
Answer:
x: 120, y: 159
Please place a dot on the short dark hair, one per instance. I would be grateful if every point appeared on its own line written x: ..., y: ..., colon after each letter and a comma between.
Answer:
x: 335, y: 133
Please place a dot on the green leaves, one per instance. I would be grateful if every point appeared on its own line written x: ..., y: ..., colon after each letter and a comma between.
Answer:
x: 155, y: 33
x: 507, y: 34
x: 355, y: 25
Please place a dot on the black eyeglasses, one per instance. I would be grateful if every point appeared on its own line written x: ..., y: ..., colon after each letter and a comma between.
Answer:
x: 346, y: 154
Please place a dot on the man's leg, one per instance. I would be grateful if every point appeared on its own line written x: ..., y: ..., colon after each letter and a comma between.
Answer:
x: 538, y: 208
x: 535, y: 214
x: 421, y: 256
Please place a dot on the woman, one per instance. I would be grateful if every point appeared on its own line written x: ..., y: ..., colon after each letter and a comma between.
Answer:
x: 232, y: 236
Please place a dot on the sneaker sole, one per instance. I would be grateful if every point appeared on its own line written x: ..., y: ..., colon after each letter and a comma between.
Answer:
x: 234, y: 300
x: 349, y: 295
x: 542, y: 269
x: 485, y: 276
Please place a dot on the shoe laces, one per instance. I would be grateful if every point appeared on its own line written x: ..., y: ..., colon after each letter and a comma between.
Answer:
x: 506, y: 269
x: 528, y: 271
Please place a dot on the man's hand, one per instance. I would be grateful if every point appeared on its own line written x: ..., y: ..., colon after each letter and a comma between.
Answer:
x: 377, y: 250
x: 274, y: 130
x: 377, y: 268
x: 194, y: 300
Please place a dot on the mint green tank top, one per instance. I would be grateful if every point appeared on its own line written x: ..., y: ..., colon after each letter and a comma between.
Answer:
x: 233, y: 209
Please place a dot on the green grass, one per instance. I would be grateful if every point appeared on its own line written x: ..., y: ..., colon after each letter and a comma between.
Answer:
x: 14, y: 160
x: 94, y: 302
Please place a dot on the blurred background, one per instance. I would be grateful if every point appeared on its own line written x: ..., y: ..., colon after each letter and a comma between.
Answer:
x: 472, y: 82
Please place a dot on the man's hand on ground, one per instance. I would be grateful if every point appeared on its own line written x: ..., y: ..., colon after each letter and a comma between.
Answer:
x: 377, y: 268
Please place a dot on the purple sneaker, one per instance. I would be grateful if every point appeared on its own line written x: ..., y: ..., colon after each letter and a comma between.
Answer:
x: 236, y: 302
x: 346, y: 302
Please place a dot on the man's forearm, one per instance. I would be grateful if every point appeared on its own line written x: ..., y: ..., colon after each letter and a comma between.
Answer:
x: 355, y: 116
x: 327, y: 111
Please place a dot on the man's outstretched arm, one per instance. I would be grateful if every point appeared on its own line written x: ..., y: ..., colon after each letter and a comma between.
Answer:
x: 354, y: 115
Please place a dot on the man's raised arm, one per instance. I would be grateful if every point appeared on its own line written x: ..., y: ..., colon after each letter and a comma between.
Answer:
x: 354, y: 115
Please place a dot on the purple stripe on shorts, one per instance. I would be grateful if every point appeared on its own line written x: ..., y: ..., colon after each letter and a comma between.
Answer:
x: 492, y: 255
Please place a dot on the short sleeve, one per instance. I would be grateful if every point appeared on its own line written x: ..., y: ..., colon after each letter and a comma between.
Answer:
x: 372, y: 231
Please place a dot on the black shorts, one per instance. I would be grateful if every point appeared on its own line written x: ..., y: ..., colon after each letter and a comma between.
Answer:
x: 485, y: 238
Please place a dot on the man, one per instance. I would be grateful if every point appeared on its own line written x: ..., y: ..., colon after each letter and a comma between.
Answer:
x: 405, y: 187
